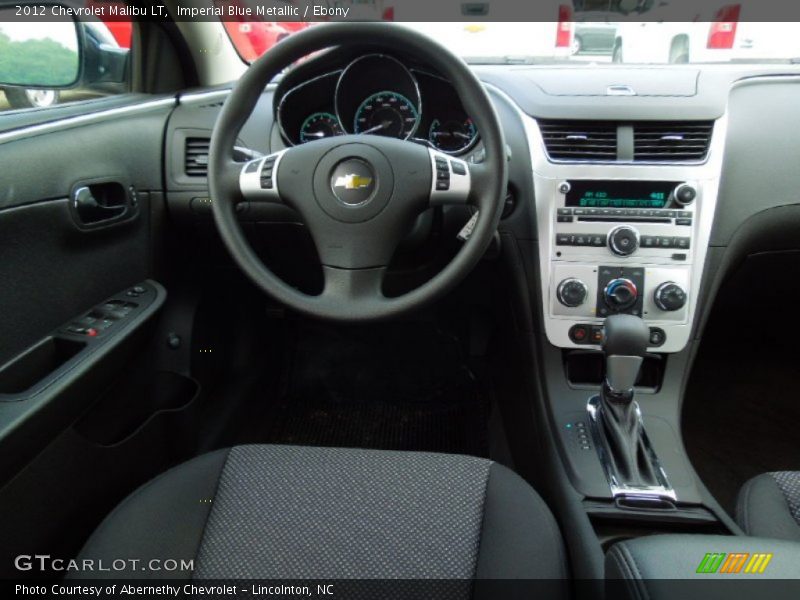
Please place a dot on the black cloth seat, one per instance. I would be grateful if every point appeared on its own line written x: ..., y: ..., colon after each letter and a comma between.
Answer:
x: 769, y: 506
x: 291, y: 512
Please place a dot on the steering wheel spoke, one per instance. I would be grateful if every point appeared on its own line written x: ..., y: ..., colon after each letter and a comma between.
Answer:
x: 355, y: 288
x: 258, y: 178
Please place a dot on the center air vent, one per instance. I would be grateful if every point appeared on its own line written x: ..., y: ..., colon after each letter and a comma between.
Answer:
x: 671, y: 141
x: 579, y: 140
x: 196, y: 164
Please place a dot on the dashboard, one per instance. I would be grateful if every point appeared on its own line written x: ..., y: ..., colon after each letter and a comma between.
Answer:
x: 376, y: 94
x: 613, y: 201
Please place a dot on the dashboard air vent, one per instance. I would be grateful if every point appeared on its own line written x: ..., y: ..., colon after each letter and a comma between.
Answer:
x: 196, y: 164
x: 671, y: 141
x: 579, y: 140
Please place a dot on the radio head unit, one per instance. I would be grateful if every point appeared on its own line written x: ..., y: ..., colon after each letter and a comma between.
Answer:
x: 619, y: 194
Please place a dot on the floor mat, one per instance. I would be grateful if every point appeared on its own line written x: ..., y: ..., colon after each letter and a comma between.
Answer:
x: 403, y: 386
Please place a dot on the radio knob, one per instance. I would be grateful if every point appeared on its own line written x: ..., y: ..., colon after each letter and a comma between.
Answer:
x: 669, y: 296
x: 620, y: 294
x: 684, y: 194
x: 571, y: 292
x: 623, y: 240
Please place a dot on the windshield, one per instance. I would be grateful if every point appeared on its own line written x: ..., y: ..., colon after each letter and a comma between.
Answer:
x: 593, y: 31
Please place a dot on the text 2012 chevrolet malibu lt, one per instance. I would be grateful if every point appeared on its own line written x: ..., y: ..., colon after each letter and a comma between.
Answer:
x: 457, y: 300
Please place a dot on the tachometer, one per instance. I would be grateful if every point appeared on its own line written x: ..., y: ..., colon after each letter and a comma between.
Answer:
x: 452, y: 135
x: 319, y: 125
x: 387, y: 113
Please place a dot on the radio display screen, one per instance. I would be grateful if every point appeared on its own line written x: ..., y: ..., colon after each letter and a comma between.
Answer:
x: 619, y: 194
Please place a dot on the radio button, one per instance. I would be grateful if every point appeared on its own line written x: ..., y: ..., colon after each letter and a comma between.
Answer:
x: 683, y: 221
x: 685, y: 214
x: 623, y: 240
x: 580, y: 211
x: 598, y: 241
x: 648, y: 241
x: 684, y: 194
x: 665, y: 242
x: 564, y: 219
x: 682, y: 243
x: 564, y: 239
x: 564, y: 211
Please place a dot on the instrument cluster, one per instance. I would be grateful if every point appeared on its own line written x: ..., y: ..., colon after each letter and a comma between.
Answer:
x: 376, y: 94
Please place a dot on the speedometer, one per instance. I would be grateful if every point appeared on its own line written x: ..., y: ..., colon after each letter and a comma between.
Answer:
x: 387, y: 113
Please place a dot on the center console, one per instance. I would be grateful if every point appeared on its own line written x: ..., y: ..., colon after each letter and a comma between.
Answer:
x: 622, y: 238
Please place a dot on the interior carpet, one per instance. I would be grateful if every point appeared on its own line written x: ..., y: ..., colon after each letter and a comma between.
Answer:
x: 394, y: 386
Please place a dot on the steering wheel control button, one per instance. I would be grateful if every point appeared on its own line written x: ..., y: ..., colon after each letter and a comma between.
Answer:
x: 623, y: 240
x: 258, y: 178
x: 619, y: 291
x: 451, y: 179
x: 459, y: 168
x: 657, y: 337
x: 442, y: 174
x: 571, y: 292
x: 266, y: 172
x: 669, y: 296
x: 353, y: 182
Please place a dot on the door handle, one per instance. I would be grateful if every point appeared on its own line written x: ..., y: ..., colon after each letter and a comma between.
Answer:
x: 99, y: 203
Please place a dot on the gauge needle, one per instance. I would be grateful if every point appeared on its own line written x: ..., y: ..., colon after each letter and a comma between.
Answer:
x: 451, y: 133
x: 316, y: 134
x: 383, y: 125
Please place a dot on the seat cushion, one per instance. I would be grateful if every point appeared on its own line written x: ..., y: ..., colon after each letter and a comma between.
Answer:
x: 769, y: 506
x: 293, y: 512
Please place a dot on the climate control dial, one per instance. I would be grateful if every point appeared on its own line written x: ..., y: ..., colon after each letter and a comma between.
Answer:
x: 571, y: 292
x: 623, y: 240
x: 669, y: 296
x: 620, y: 294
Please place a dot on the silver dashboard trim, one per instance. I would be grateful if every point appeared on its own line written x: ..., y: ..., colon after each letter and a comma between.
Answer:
x: 663, y: 491
x: 546, y: 175
x: 299, y: 86
x: 93, y: 117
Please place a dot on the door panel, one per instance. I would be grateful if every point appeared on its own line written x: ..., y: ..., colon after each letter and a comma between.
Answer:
x: 53, y: 269
x: 60, y: 263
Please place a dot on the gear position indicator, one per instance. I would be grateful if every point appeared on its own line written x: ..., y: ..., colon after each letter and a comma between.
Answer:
x: 620, y: 290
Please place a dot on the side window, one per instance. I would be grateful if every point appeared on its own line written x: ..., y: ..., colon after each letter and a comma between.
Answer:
x: 33, y: 50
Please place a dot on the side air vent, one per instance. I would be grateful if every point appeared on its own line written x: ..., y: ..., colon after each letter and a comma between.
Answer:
x: 196, y: 164
x: 580, y: 140
x: 671, y: 141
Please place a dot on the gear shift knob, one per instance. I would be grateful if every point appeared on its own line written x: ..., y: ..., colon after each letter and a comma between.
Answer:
x: 625, y: 346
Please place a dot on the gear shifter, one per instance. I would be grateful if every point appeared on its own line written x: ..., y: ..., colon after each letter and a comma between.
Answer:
x: 618, y: 419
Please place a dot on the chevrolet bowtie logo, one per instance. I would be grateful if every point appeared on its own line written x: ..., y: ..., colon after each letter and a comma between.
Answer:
x: 353, y: 182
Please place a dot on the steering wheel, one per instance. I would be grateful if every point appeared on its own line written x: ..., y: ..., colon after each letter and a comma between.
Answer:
x: 358, y: 195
